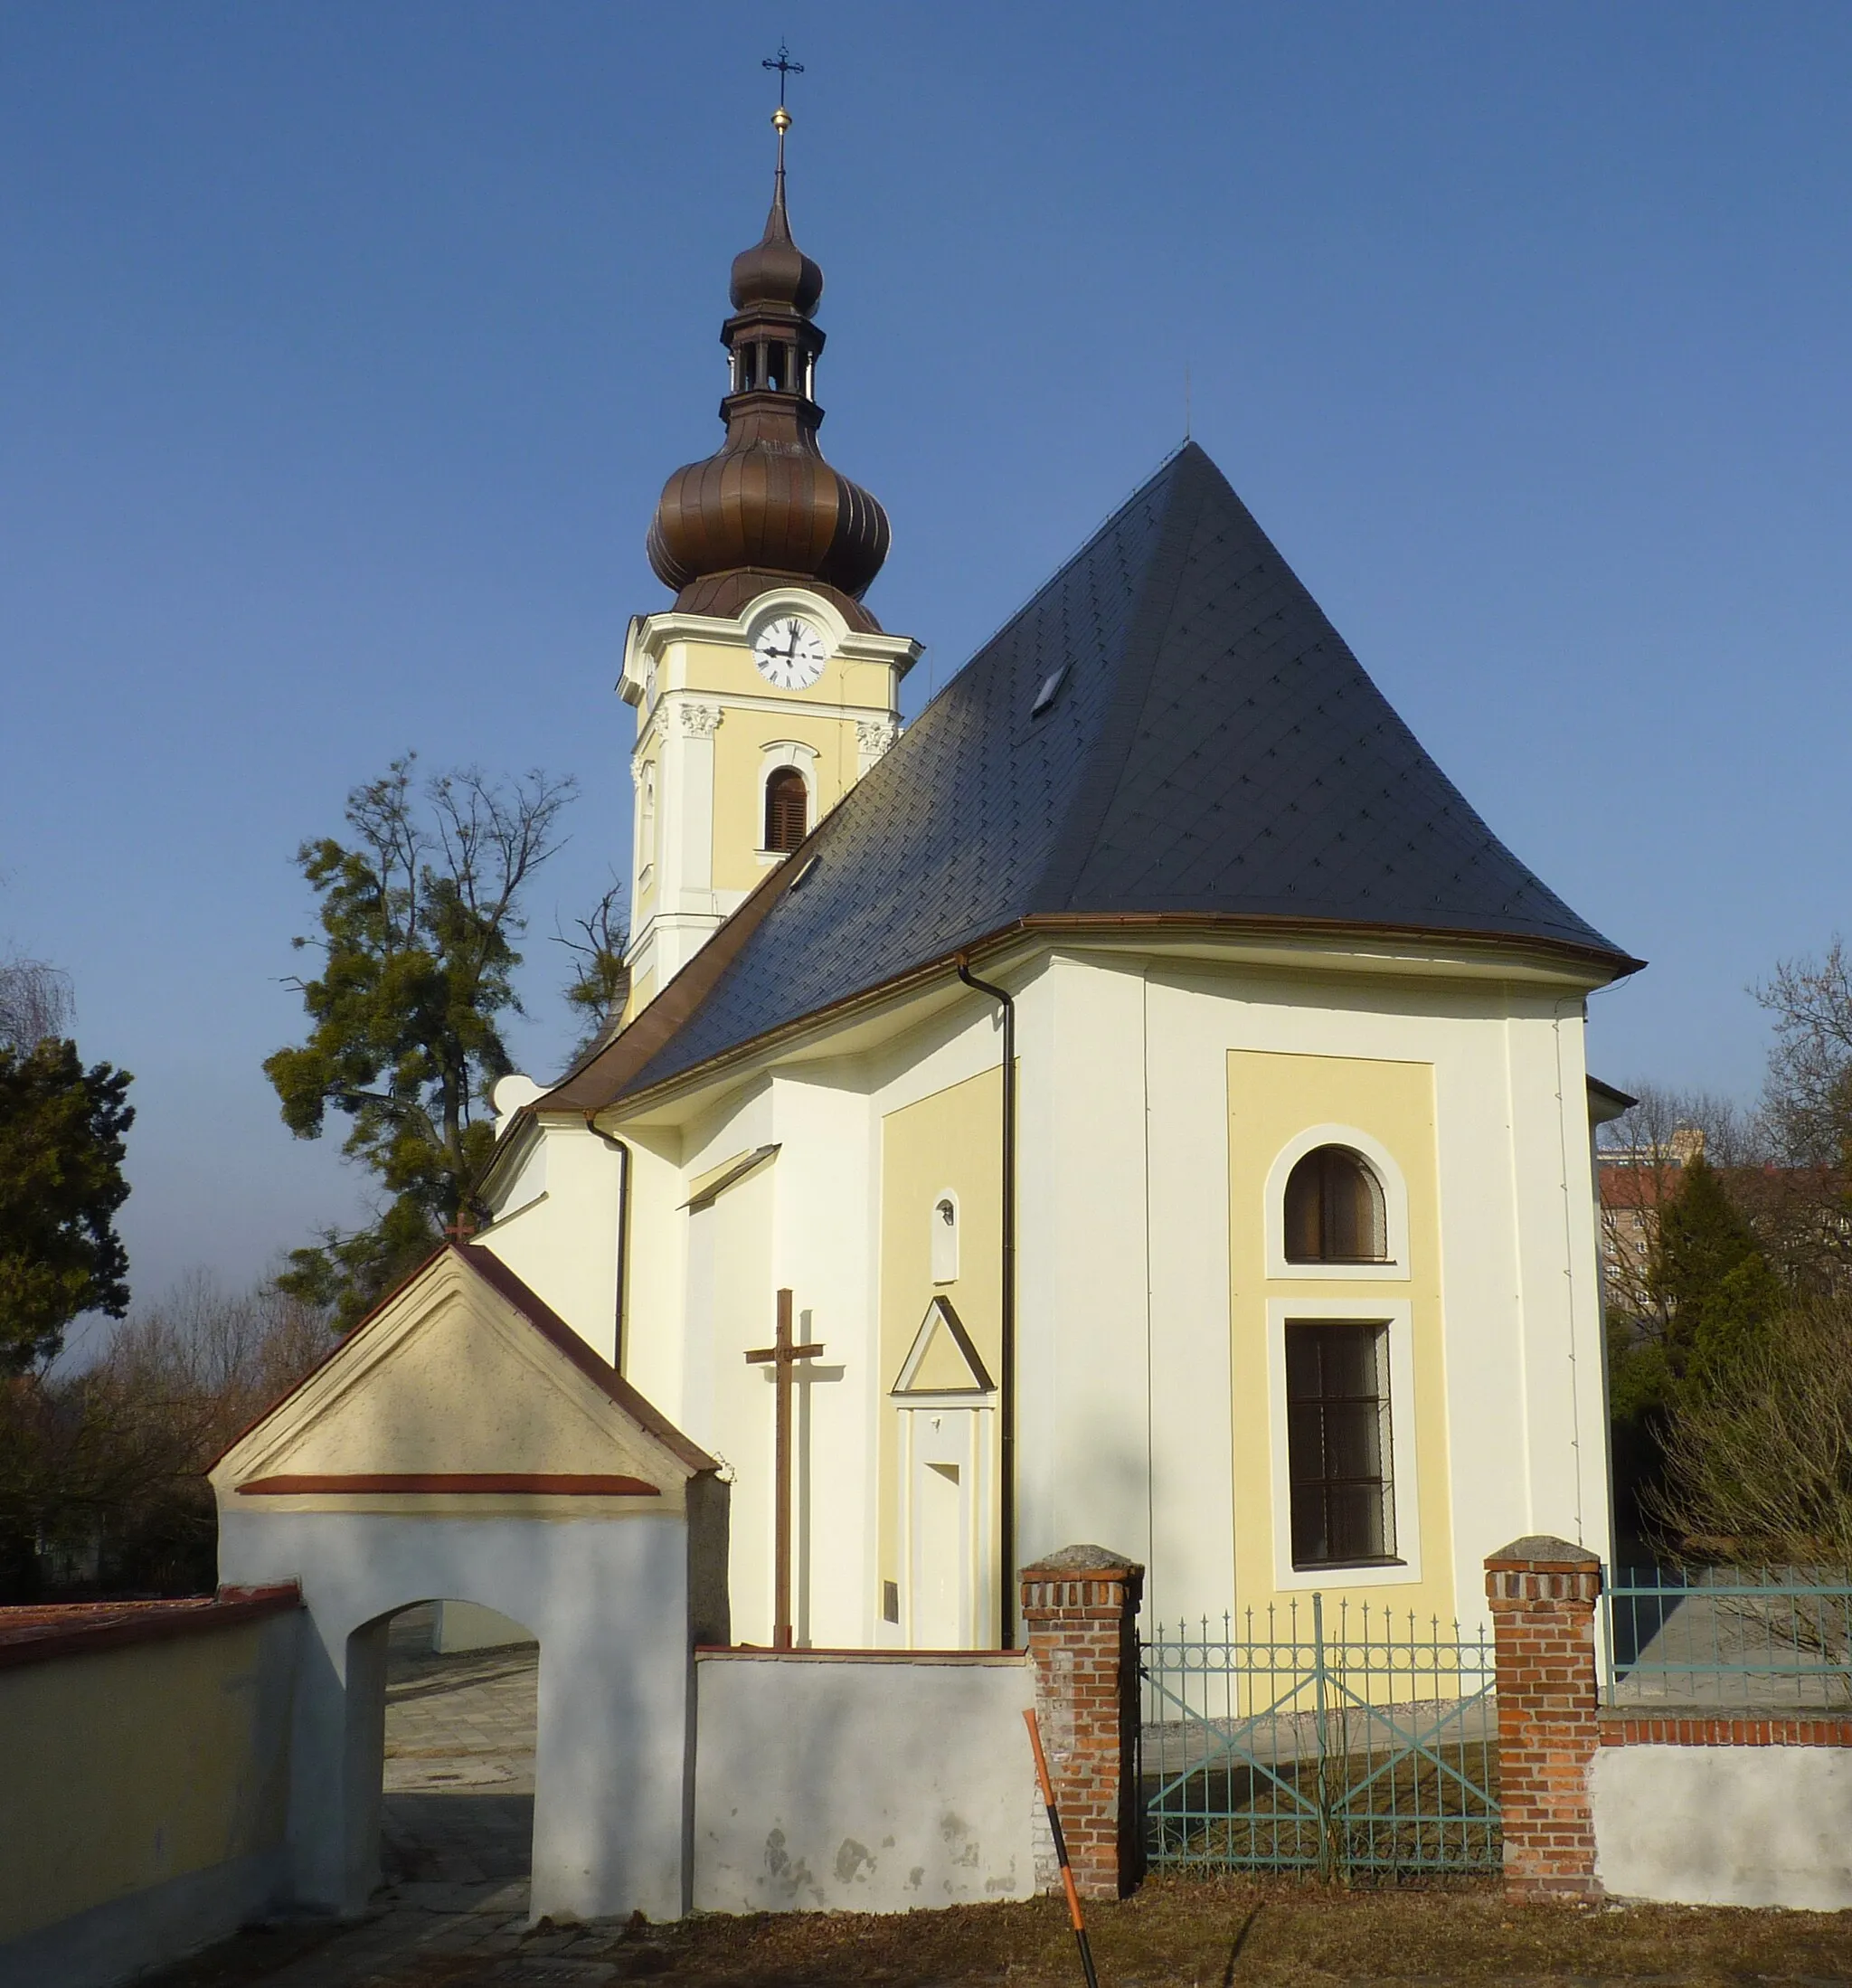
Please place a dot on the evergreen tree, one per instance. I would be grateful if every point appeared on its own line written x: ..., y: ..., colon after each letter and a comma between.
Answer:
x: 1711, y: 1301
x: 62, y: 1151
x: 418, y: 917
x: 1713, y: 1282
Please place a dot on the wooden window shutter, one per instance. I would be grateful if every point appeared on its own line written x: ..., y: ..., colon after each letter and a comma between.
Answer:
x: 787, y: 809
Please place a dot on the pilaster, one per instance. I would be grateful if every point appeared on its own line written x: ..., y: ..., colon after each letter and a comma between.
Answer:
x: 1543, y: 1593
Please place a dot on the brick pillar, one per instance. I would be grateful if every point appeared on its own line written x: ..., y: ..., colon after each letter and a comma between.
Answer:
x: 1080, y: 1611
x: 1542, y: 1595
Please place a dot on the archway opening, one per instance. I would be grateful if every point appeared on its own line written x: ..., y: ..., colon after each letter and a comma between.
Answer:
x: 462, y: 1690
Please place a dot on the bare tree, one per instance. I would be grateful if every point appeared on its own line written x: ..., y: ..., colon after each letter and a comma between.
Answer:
x: 600, y: 982
x: 1808, y: 1097
x: 1807, y: 1103
x: 35, y: 1003
x: 103, y: 1468
x: 1762, y: 1470
x: 214, y: 1359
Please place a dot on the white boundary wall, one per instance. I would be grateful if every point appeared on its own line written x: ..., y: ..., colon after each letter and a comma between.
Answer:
x: 861, y: 1781
x: 1724, y: 1825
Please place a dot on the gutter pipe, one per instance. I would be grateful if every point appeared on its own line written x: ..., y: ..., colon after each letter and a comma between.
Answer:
x: 1007, y: 1387
x: 618, y: 1146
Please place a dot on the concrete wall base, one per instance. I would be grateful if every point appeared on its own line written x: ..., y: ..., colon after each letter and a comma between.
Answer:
x: 1725, y: 1825
x: 161, y: 1922
x: 859, y: 1782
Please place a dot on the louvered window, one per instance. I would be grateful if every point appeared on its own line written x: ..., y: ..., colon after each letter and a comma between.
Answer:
x: 787, y: 809
x: 1333, y: 1210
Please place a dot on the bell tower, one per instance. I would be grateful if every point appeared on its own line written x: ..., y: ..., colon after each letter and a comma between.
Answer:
x: 768, y: 690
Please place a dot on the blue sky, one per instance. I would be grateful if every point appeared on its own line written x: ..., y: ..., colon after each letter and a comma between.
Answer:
x: 345, y: 347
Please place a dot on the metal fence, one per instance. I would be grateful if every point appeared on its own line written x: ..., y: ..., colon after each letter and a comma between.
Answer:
x: 1728, y: 1640
x: 1295, y: 1741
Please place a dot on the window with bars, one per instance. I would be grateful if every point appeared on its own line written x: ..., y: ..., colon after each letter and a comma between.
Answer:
x: 1340, y: 1458
x: 1333, y: 1210
x: 787, y: 809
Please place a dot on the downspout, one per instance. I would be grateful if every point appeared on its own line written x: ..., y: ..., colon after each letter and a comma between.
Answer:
x: 1007, y: 1387
x: 619, y: 1146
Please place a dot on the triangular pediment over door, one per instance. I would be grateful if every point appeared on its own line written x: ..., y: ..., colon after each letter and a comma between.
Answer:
x: 942, y: 1358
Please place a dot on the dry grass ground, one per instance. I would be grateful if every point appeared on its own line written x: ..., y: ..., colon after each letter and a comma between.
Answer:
x: 1206, y: 1934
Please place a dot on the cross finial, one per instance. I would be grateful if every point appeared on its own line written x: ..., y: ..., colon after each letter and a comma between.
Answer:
x: 785, y: 67
x: 781, y: 118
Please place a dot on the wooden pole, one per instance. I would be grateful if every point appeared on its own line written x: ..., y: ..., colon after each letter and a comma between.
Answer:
x: 781, y: 1502
x: 1067, y: 1874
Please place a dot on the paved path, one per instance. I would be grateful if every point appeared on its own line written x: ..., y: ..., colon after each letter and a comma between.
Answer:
x: 460, y: 1767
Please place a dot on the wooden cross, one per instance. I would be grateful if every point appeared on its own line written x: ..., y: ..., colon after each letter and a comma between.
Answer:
x: 461, y: 1229
x: 784, y: 1357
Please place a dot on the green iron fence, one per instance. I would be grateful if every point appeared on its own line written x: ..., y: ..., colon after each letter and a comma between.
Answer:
x: 1728, y: 1640
x: 1304, y: 1743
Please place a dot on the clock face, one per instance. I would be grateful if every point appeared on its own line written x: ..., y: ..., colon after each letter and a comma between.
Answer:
x: 789, y: 653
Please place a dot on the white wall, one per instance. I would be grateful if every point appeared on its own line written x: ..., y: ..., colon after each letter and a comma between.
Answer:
x: 867, y: 1784
x: 1725, y: 1825
x: 808, y: 1220
x: 1125, y: 1373
x: 563, y: 1244
x: 1084, y: 1315
x: 1124, y: 1327
x: 608, y: 1600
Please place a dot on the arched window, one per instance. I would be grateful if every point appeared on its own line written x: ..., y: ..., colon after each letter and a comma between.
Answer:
x: 787, y: 808
x: 1333, y: 1210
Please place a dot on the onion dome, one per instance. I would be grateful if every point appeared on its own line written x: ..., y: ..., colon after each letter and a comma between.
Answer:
x: 776, y: 271
x: 767, y: 508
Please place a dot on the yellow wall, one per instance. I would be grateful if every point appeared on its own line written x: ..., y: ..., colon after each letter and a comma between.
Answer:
x: 757, y: 715
x: 739, y: 783
x: 949, y: 1139
x: 727, y: 670
x: 451, y: 1378
x: 1272, y: 1099
x: 125, y: 1768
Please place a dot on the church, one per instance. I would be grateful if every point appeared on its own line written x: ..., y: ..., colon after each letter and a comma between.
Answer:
x: 1140, y: 1101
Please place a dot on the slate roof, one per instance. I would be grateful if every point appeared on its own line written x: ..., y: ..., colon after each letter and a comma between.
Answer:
x: 1213, y: 752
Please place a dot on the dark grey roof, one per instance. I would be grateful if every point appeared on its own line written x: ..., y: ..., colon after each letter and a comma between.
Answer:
x: 1214, y: 750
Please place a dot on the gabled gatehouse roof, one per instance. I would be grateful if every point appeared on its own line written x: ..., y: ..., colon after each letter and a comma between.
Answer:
x: 1170, y: 730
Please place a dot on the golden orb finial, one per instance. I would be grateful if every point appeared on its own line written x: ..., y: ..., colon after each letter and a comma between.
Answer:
x: 780, y: 120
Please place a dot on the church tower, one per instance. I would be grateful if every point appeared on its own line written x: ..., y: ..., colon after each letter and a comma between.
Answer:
x: 768, y: 690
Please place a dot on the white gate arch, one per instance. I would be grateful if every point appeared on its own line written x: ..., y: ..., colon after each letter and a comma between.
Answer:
x: 464, y: 1442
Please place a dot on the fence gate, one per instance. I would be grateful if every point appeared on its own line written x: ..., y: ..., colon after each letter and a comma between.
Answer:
x: 1305, y: 1744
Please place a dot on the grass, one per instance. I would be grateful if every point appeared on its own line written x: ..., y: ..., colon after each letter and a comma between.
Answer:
x: 1181, y: 1933
x: 1232, y: 1933
x: 1394, y: 1810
